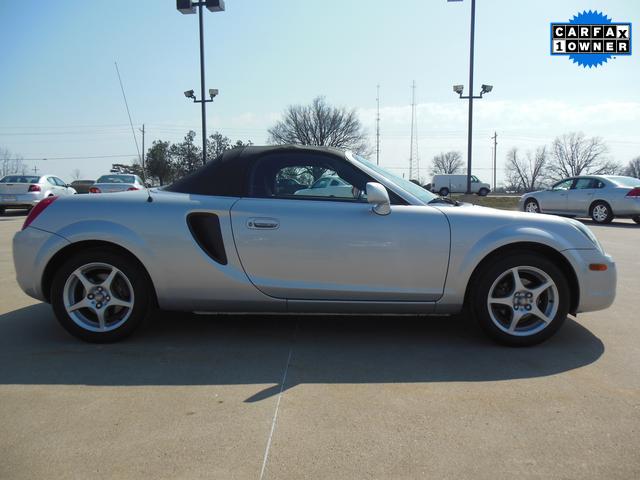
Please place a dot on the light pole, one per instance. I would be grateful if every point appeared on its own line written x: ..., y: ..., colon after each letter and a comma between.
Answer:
x: 459, y: 88
x: 188, y: 7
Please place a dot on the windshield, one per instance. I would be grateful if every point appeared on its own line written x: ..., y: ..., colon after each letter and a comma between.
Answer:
x: 625, y: 181
x: 116, y: 179
x: 19, y: 179
x: 410, y: 187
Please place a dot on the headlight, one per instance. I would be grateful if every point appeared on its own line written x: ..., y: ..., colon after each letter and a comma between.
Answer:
x: 588, y: 233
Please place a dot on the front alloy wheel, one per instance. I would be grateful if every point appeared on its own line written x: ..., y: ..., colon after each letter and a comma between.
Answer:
x: 531, y: 206
x: 521, y: 300
x: 100, y: 295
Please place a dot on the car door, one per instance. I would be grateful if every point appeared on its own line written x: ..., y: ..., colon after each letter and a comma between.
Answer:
x: 581, y: 195
x: 52, y: 186
x: 318, y: 248
x: 555, y: 200
x: 62, y: 186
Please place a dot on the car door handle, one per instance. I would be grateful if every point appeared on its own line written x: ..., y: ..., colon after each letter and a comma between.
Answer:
x: 263, y: 223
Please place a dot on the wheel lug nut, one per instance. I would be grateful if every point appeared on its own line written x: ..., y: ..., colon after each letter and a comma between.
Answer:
x: 99, y: 305
x: 90, y: 296
x: 528, y: 307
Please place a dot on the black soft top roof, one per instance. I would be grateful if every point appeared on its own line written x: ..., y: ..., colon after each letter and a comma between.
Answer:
x: 227, y: 175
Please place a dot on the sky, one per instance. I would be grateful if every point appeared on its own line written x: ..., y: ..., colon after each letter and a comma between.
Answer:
x: 60, y: 98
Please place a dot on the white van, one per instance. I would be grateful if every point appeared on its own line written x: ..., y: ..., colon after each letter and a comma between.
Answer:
x: 446, y: 184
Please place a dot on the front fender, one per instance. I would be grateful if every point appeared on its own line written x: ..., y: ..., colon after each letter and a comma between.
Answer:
x: 502, y: 237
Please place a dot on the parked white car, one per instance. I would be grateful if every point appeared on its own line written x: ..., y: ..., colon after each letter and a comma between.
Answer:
x: 329, y: 186
x: 117, y: 183
x: 601, y: 197
x: 25, y: 191
x: 446, y: 184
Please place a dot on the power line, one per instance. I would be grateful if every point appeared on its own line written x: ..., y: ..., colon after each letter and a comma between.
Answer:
x: 79, y: 158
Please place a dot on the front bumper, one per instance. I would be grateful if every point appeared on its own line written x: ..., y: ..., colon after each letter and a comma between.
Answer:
x: 597, y: 288
x: 32, y: 250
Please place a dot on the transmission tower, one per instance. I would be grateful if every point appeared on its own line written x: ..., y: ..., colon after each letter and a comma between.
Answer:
x: 414, y: 157
x: 378, y: 126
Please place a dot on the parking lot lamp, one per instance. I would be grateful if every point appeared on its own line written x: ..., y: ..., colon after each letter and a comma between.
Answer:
x: 189, y: 7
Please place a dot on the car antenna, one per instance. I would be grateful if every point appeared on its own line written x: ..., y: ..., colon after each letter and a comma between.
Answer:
x: 135, y: 139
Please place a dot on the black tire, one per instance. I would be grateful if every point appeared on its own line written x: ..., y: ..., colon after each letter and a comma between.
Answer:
x: 532, y: 206
x: 636, y: 218
x: 130, y: 270
x: 600, y: 212
x: 483, y: 192
x: 532, y: 329
x: 444, y: 192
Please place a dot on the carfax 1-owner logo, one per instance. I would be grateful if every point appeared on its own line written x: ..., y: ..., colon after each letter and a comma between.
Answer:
x: 591, y: 38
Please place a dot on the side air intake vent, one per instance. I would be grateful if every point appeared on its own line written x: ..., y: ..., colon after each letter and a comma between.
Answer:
x: 205, y: 228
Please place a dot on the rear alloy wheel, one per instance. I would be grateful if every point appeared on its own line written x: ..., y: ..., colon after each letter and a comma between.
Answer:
x: 100, y: 296
x: 444, y: 192
x: 601, y: 213
x: 532, y: 206
x: 636, y: 218
x: 521, y: 300
x: 483, y: 192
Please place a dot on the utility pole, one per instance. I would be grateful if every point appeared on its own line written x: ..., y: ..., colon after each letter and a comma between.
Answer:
x: 414, y: 160
x: 144, y: 176
x: 495, y: 156
x: 378, y: 127
x: 35, y: 169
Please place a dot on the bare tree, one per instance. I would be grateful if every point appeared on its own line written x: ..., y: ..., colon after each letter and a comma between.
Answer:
x: 574, y: 154
x: 76, y: 174
x: 320, y: 124
x: 11, y: 163
x: 526, y: 173
x: 447, y: 163
x: 633, y: 169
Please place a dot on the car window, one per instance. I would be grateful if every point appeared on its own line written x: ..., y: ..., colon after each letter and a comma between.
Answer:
x: 59, y: 182
x: 598, y: 184
x: 116, y: 179
x: 322, y: 183
x: 584, y: 183
x: 624, y: 181
x: 300, y: 177
x: 563, y: 185
x: 20, y: 179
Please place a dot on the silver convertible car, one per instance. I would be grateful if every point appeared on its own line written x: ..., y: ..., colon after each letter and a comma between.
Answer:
x: 601, y: 197
x: 232, y: 237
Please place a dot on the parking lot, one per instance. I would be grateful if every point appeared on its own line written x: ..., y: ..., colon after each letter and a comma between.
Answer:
x: 286, y: 397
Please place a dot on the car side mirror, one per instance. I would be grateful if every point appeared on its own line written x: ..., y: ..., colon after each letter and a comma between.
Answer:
x: 379, y: 197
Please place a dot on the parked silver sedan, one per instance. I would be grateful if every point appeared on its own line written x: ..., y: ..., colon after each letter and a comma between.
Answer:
x: 601, y: 197
x: 116, y: 183
x: 25, y: 191
x: 228, y: 239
